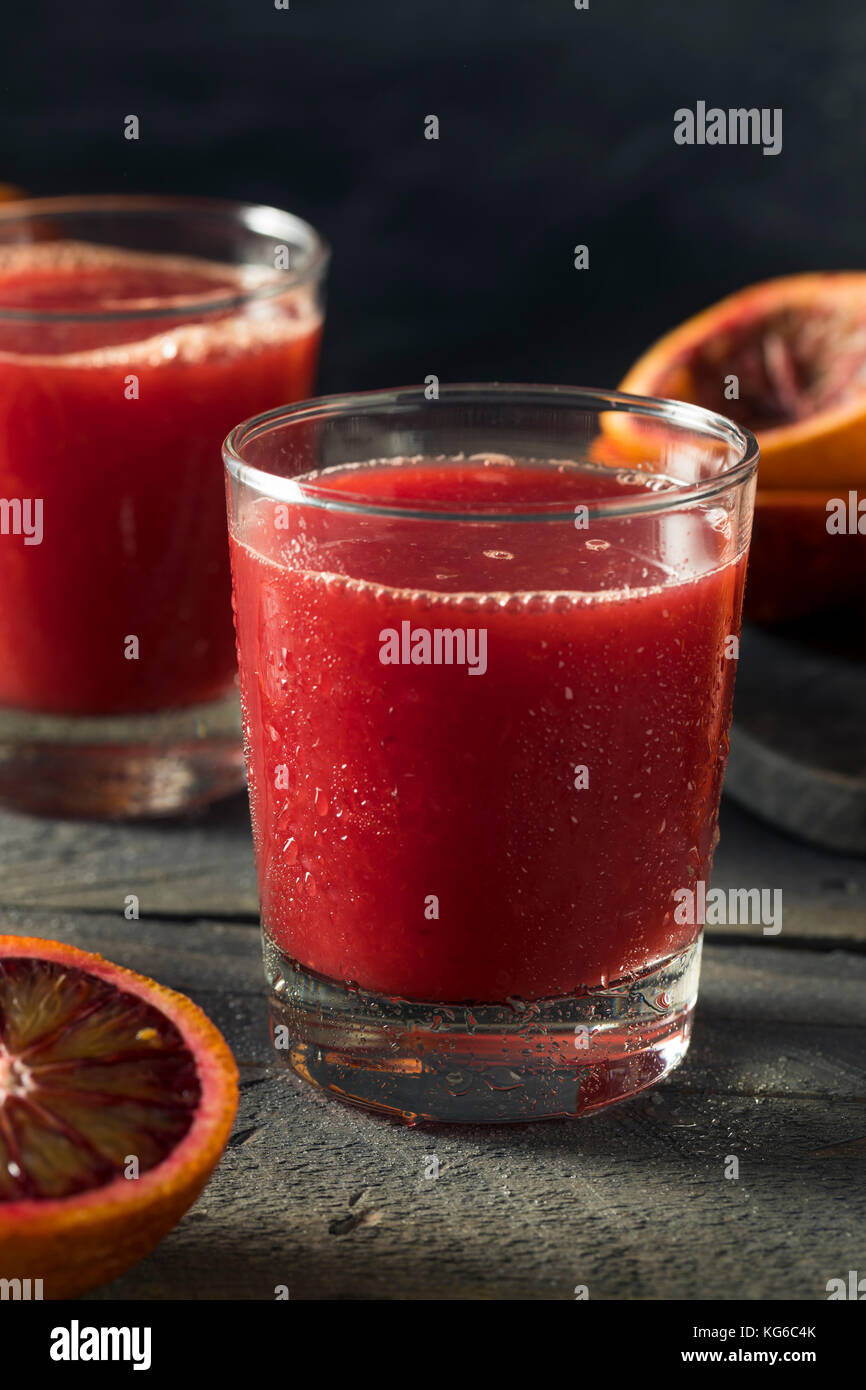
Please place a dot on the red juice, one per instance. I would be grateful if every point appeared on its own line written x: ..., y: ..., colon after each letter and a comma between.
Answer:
x: 433, y: 833
x: 115, y: 425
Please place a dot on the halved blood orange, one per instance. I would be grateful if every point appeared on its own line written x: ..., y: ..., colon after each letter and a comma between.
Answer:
x: 797, y: 348
x: 117, y: 1098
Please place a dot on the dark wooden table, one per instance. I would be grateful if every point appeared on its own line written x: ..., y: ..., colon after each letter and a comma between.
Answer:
x: 632, y: 1202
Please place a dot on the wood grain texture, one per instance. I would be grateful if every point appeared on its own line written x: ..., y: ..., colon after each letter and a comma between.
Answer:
x: 204, y: 867
x: 632, y: 1202
x: 199, y: 866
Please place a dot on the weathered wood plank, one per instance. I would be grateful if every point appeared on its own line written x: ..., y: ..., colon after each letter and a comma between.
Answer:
x: 204, y: 867
x: 199, y: 866
x: 632, y: 1202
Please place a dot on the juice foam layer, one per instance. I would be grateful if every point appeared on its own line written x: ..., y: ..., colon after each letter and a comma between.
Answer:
x: 184, y: 306
x: 466, y: 601
x: 36, y: 270
x: 505, y: 532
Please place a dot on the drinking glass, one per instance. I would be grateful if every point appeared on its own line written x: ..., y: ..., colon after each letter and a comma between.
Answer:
x: 487, y: 646
x: 134, y: 332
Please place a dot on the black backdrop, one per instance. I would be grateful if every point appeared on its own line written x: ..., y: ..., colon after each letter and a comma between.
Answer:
x: 556, y: 128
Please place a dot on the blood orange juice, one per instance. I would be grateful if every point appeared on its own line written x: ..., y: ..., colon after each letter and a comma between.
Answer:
x: 486, y: 702
x: 121, y: 368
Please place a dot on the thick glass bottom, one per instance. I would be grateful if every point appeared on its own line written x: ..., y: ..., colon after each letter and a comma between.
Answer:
x: 494, y: 1063
x: 121, y: 766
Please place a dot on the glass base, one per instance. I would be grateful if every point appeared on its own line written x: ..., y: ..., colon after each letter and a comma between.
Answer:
x: 121, y: 766
x: 494, y: 1063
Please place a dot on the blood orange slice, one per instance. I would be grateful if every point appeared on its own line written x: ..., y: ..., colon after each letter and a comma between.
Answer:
x: 117, y: 1097
x: 787, y: 358
x: 794, y: 351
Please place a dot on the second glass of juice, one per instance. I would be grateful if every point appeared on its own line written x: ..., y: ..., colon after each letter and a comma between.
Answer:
x: 133, y: 333
x: 487, y: 649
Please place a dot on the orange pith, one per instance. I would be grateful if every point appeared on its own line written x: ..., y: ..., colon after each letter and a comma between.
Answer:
x: 103, y: 1075
x: 797, y: 346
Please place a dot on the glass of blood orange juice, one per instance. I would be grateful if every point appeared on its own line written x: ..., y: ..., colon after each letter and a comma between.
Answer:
x: 487, y: 650
x: 134, y: 331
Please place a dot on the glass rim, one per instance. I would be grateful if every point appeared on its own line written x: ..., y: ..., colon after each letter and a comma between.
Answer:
x: 681, y: 413
x: 260, y: 218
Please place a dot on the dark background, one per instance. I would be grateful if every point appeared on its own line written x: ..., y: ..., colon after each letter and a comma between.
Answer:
x: 456, y: 257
